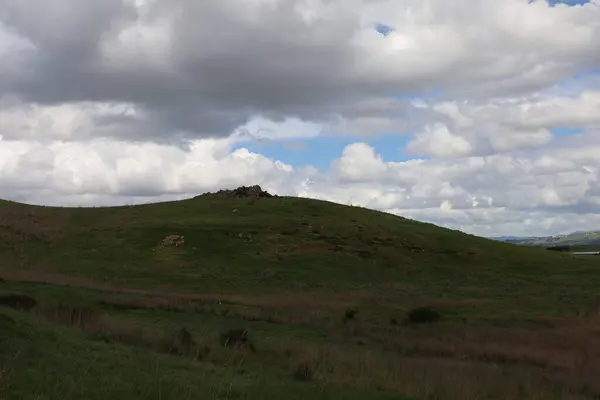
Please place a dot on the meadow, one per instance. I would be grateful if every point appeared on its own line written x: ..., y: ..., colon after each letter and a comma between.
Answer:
x: 220, y: 297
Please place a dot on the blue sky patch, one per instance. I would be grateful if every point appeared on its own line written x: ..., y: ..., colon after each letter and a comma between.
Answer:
x: 586, y: 74
x: 566, y: 131
x: 384, y: 29
x: 568, y: 2
x: 320, y: 151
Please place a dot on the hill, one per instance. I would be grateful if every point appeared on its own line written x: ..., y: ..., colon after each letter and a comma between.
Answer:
x: 578, y: 240
x: 281, y: 296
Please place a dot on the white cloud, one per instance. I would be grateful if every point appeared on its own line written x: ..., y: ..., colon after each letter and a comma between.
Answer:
x: 483, y: 195
x: 72, y: 171
x: 360, y: 163
x: 503, y: 124
x: 438, y: 141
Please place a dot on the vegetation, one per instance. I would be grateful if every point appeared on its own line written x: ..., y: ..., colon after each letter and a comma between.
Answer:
x: 244, y: 297
x: 423, y: 314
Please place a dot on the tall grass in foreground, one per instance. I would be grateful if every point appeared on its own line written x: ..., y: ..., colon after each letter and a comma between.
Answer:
x: 458, y: 364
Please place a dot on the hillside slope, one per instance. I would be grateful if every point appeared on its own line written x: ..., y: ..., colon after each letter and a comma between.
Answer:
x: 327, y: 292
x: 248, y: 244
x: 245, y: 242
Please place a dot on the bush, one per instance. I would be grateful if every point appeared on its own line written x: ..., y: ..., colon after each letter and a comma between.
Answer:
x: 422, y: 315
x: 236, y: 338
x: 84, y: 318
x: 20, y: 302
x: 178, y: 343
x: 350, y: 314
x: 304, y: 372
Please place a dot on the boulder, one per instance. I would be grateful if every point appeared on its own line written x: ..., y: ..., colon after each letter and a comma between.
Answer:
x: 173, y: 240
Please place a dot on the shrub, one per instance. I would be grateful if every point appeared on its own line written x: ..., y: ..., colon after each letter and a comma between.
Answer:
x: 20, y: 302
x: 180, y: 342
x: 350, y: 314
x: 423, y: 315
x: 202, y: 352
x: 72, y: 316
x: 236, y: 338
x: 304, y: 372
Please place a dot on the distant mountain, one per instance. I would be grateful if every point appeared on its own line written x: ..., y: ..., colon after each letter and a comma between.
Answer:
x: 509, y: 238
x: 579, y: 238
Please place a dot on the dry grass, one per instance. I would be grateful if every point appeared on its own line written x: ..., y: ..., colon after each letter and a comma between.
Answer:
x: 556, y: 355
x: 549, y: 358
x: 431, y: 377
x: 436, y: 361
x: 110, y: 329
x: 447, y: 361
x: 17, y: 226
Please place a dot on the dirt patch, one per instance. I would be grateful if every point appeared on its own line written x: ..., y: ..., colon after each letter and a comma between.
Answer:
x: 452, y: 304
x: 53, y: 278
x: 122, y: 306
x: 300, y: 299
x: 311, y: 248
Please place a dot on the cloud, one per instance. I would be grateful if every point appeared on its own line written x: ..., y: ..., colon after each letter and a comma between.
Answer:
x: 482, y: 195
x: 203, y: 69
x: 438, y: 141
x: 467, y: 128
x: 115, y: 171
x: 360, y: 163
x: 477, y: 194
x: 126, y: 101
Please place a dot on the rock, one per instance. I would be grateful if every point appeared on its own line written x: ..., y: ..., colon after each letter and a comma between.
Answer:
x: 245, y: 236
x: 173, y: 240
x: 251, y: 192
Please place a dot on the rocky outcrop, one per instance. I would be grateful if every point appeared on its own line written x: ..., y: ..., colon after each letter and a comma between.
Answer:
x: 173, y: 240
x: 249, y: 192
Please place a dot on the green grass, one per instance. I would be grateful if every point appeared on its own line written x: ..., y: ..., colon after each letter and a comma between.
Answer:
x: 517, y: 322
x: 40, y: 361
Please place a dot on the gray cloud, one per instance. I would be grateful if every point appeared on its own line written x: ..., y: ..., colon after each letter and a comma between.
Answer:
x: 204, y: 68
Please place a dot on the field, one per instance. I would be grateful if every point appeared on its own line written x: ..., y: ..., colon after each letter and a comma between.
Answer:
x: 285, y: 298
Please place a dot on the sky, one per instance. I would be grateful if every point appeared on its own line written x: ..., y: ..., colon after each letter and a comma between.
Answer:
x: 481, y: 116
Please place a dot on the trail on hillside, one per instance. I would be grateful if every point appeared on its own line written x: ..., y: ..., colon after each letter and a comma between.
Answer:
x: 283, y: 299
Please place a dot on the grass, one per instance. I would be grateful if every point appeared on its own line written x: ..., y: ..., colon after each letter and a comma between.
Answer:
x: 42, y: 361
x: 325, y: 292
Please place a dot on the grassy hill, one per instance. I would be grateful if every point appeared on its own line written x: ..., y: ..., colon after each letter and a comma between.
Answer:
x: 287, y: 298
